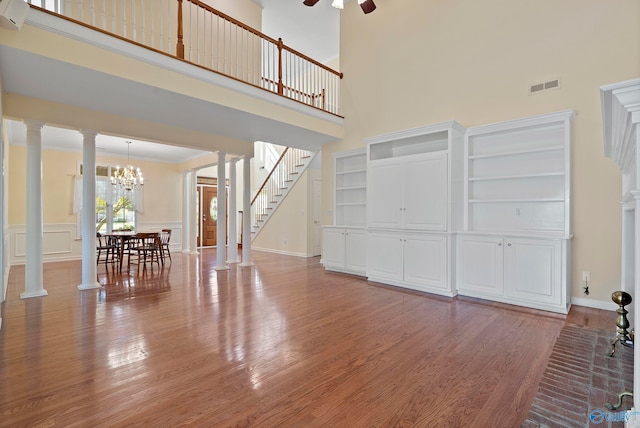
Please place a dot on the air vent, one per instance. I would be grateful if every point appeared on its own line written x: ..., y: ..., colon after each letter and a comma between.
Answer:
x: 544, y: 86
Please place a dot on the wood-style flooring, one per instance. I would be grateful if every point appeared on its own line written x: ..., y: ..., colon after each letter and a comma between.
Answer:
x: 280, y: 344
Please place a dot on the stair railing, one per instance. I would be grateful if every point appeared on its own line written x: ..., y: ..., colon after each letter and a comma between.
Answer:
x: 199, y: 34
x: 277, y: 181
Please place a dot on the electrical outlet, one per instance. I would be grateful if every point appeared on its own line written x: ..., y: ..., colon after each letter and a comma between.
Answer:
x: 586, y: 276
x: 518, y: 212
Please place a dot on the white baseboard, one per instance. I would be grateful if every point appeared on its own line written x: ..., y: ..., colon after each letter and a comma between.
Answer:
x: 286, y: 253
x: 595, y: 304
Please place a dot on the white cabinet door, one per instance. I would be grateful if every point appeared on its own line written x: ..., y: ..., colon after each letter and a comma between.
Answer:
x: 425, y: 261
x: 532, y: 270
x: 425, y: 192
x: 481, y: 266
x: 334, y: 248
x: 385, y: 194
x: 356, y: 250
x: 384, y: 256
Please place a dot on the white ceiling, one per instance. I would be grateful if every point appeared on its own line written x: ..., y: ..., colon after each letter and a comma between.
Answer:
x: 314, y: 31
x: 106, y: 145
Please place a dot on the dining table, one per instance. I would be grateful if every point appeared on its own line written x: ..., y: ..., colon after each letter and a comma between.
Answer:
x: 124, y: 236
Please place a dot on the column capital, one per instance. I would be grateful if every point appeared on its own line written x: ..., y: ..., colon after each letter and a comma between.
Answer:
x: 88, y: 133
x: 234, y: 161
x: 33, y: 124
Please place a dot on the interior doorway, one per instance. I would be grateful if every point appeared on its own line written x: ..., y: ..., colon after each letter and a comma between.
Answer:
x: 208, y: 213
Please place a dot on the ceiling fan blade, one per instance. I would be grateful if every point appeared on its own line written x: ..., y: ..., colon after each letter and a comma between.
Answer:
x: 310, y: 2
x: 368, y: 6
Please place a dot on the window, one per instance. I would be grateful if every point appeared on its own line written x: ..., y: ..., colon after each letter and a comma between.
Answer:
x: 115, y: 209
x: 52, y: 5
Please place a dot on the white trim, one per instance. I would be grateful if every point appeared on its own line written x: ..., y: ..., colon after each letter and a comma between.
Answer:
x: 283, y: 252
x: 414, y: 132
x: 595, y: 304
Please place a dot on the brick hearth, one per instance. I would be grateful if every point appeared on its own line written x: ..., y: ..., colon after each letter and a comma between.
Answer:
x: 579, y: 379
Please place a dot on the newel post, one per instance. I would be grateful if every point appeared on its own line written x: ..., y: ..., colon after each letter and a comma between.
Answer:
x: 180, y: 44
x: 280, y: 86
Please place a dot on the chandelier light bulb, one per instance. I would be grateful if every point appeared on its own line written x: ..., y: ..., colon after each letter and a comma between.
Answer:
x: 338, y: 4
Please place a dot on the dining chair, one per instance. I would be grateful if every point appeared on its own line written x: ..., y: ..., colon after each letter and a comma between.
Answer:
x: 107, y: 250
x: 165, y: 237
x: 148, y: 247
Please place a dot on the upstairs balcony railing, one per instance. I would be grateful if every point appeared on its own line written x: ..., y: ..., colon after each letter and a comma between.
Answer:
x: 199, y: 34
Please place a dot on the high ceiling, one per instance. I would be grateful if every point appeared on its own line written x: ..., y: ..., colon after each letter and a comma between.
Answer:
x: 314, y: 31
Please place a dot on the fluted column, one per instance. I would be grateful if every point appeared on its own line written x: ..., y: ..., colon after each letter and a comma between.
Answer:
x: 34, y: 286
x: 246, y: 209
x: 221, y: 230
x: 89, y: 269
x: 233, y: 213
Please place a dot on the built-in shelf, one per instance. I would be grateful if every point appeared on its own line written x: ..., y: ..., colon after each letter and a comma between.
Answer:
x: 502, y: 201
x: 518, y: 176
x: 517, y: 152
x: 350, y: 188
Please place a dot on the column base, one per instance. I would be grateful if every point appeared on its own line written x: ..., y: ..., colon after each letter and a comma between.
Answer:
x: 221, y: 268
x: 89, y: 286
x: 193, y: 253
x: 231, y: 262
x: 30, y: 294
x: 247, y: 264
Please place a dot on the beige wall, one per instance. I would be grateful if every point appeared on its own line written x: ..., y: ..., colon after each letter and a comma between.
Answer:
x: 162, y: 188
x: 288, y: 229
x: 414, y: 63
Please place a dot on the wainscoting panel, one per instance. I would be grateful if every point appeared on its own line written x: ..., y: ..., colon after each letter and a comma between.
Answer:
x: 60, y: 241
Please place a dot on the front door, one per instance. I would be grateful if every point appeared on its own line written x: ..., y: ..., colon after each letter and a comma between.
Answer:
x: 209, y: 216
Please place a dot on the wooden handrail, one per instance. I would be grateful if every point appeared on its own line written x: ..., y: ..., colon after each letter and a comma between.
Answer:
x: 266, y: 180
x: 180, y: 48
x: 281, y: 46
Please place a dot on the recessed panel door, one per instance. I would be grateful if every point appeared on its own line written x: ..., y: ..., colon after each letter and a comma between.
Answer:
x: 209, y: 214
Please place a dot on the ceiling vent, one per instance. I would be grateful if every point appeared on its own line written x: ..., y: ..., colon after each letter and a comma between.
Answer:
x: 544, y: 86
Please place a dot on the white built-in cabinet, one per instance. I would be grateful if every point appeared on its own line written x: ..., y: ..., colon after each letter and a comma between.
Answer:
x: 345, y: 243
x: 345, y: 249
x: 394, y: 184
x: 483, y: 212
x: 414, y: 204
x: 410, y: 260
x: 515, y: 244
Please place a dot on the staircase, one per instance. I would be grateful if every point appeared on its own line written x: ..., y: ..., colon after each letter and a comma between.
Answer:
x: 283, y: 176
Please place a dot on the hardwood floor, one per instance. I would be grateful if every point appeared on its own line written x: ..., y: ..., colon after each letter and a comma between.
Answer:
x: 283, y: 343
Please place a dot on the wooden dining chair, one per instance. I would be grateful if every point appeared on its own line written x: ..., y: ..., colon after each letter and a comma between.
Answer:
x: 147, y: 246
x: 165, y: 237
x: 107, y: 251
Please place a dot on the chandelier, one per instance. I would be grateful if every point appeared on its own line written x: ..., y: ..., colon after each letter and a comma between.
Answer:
x: 127, y: 177
x: 367, y: 6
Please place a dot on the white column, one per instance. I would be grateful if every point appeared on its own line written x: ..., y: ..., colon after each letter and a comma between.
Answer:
x: 34, y: 286
x: 233, y: 213
x: 89, y: 269
x: 635, y: 295
x: 246, y: 210
x: 186, y: 211
x: 193, y: 216
x: 221, y: 232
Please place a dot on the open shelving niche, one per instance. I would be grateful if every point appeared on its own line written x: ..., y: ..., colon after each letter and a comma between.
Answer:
x: 517, y: 176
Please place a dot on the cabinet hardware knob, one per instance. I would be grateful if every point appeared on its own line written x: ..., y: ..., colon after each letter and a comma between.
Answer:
x: 499, y: 244
x: 509, y: 244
